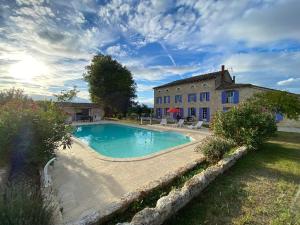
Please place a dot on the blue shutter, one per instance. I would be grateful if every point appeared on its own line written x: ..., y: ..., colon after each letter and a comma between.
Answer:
x: 189, y: 98
x: 223, y: 97
x: 208, y: 115
x: 278, y: 117
x: 236, y: 97
x: 201, y: 97
x: 181, y: 112
x: 200, y: 114
x: 189, y: 111
x: 207, y: 96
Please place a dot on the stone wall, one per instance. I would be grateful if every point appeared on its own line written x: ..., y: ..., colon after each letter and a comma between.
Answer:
x: 178, y: 198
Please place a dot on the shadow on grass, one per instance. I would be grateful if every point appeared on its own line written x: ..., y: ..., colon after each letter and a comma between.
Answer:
x: 224, y: 200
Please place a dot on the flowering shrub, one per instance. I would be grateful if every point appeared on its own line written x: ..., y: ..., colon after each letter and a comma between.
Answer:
x: 214, y: 148
x: 245, y: 124
x: 39, y: 127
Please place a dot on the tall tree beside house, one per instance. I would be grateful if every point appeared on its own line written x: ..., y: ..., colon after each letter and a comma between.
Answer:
x: 110, y: 84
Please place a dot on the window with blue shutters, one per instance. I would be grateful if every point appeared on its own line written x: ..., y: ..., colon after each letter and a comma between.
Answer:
x: 192, y: 111
x: 204, y: 96
x: 231, y: 96
x: 158, y: 113
x: 192, y: 97
x: 204, y: 114
x: 166, y: 99
x: 158, y: 100
x: 178, y: 98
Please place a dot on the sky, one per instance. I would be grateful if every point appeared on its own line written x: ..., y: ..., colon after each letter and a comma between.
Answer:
x: 45, y: 45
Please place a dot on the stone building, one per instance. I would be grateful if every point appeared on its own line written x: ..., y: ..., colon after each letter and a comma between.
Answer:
x: 82, y: 111
x: 199, y: 97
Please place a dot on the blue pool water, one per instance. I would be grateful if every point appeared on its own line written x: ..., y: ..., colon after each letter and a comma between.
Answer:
x: 121, y: 141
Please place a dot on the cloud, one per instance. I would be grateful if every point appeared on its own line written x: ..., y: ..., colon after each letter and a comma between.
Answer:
x: 117, y: 51
x: 159, y: 41
x: 274, y: 22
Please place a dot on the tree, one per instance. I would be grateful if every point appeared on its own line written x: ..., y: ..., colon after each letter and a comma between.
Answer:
x: 66, y: 95
x: 279, y: 102
x: 139, y: 109
x: 110, y: 84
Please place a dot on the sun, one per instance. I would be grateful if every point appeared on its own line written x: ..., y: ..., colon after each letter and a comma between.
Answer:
x: 27, y: 69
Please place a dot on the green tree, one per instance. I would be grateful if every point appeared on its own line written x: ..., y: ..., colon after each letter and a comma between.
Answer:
x: 110, y: 84
x: 139, y: 109
x: 66, y: 95
x: 279, y: 102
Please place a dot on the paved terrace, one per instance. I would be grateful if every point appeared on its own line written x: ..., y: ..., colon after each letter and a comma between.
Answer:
x: 85, y: 181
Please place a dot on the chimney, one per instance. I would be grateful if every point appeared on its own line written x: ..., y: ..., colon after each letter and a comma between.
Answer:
x: 222, y: 73
x: 233, y: 79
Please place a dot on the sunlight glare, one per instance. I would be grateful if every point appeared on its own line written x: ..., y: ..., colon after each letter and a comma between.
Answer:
x: 27, y: 69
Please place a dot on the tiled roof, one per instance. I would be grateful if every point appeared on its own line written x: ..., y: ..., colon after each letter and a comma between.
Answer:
x: 202, y: 77
x: 225, y: 86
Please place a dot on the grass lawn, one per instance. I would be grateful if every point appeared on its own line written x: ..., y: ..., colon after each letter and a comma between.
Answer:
x: 260, y: 189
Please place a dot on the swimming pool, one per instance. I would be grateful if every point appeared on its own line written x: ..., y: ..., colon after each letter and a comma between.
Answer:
x: 121, y: 141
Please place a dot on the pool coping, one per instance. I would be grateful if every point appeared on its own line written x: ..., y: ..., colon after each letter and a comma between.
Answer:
x: 132, y: 159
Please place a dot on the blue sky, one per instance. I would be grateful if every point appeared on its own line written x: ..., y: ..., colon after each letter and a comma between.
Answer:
x: 46, y: 44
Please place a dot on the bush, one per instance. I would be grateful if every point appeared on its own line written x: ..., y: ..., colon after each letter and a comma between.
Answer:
x: 36, y: 129
x: 246, y: 124
x: 22, y: 203
x: 214, y: 148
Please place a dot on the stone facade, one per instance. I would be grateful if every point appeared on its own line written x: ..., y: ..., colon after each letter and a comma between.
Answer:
x: 212, y: 92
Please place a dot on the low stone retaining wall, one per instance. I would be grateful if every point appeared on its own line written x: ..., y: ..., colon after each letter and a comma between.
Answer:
x: 178, y: 198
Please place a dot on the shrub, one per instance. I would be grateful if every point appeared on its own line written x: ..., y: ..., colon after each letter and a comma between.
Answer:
x: 22, y: 203
x: 214, y: 148
x: 246, y: 124
x: 35, y: 128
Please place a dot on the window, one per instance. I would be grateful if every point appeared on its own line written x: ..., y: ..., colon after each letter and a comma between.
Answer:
x: 158, y: 100
x: 167, y: 90
x: 166, y: 99
x: 178, y: 98
x: 178, y: 89
x: 205, y: 85
x: 204, y: 114
x: 192, y: 98
x: 166, y: 111
x: 204, y: 96
x: 192, y: 86
x: 229, y: 96
x: 158, y: 112
x: 192, y: 111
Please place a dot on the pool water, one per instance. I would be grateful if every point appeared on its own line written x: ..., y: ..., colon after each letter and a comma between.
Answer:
x: 121, y: 141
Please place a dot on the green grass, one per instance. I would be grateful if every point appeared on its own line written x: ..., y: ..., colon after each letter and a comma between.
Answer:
x: 259, y: 189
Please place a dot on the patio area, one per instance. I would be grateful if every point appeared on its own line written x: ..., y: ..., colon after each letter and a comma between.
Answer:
x: 86, y: 182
